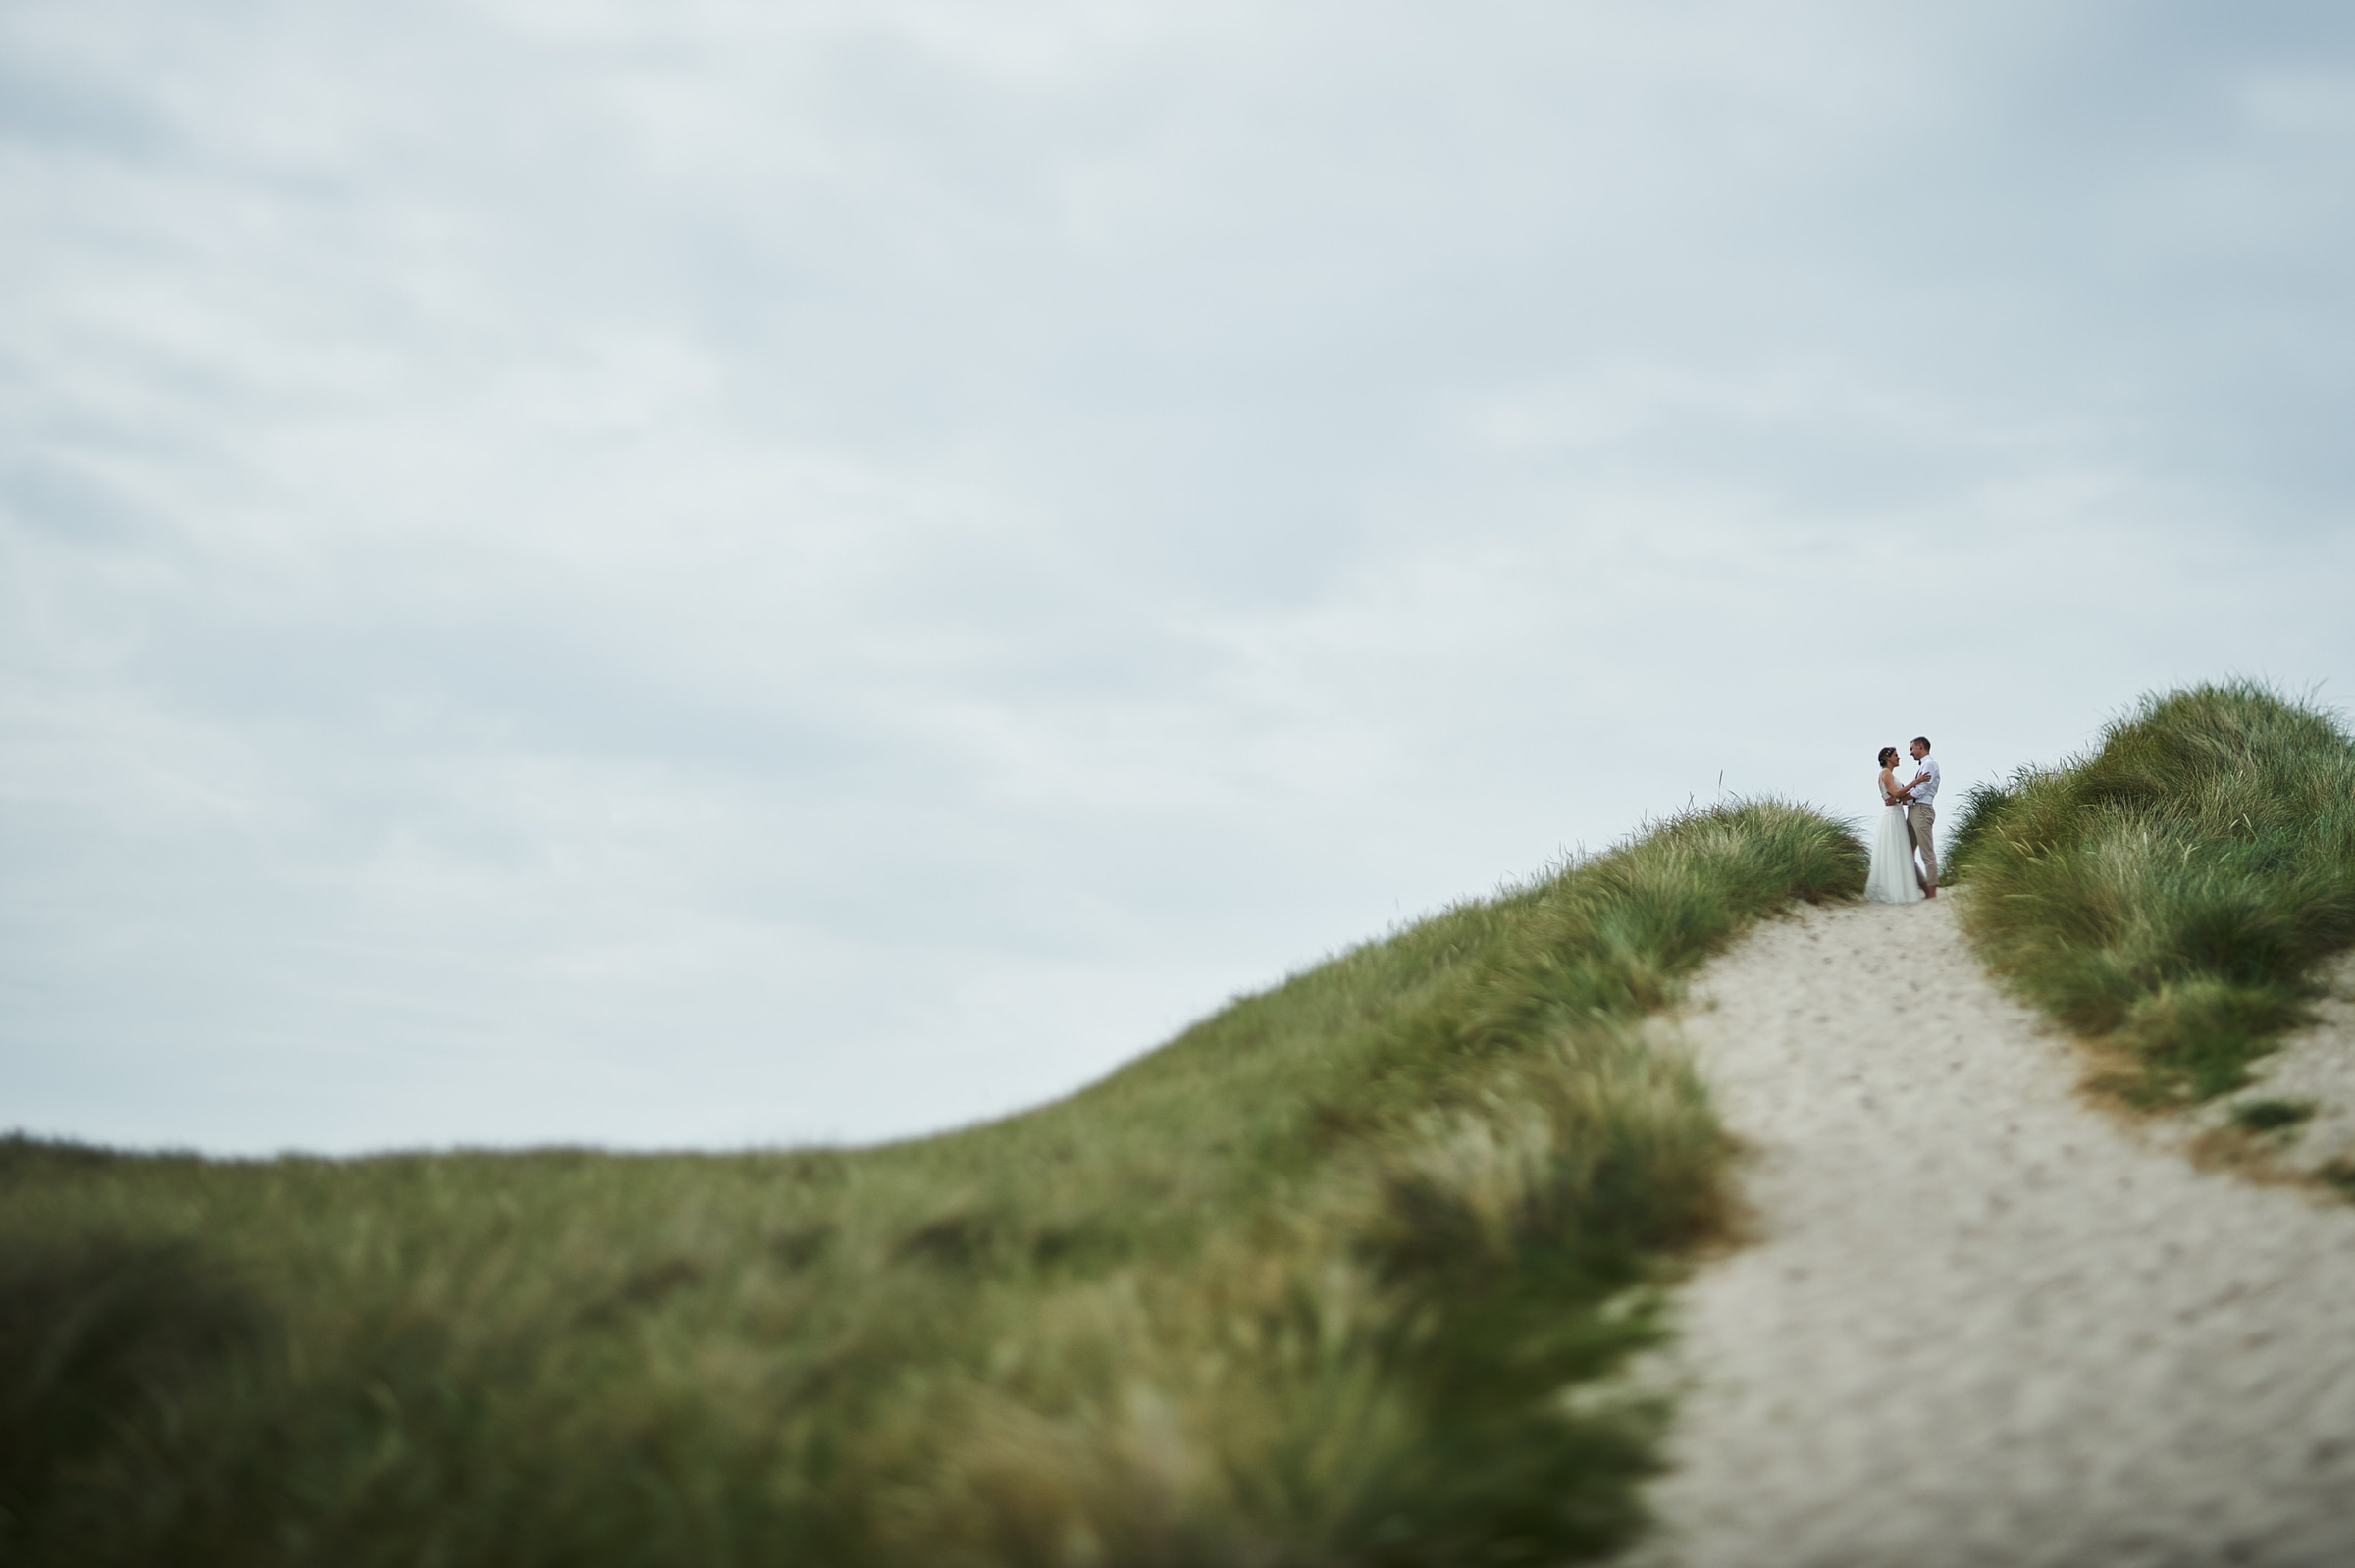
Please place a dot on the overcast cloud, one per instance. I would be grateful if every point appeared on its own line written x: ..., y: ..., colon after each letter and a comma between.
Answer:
x: 709, y: 573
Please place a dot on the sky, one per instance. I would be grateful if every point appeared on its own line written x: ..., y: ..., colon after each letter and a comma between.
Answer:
x: 721, y: 574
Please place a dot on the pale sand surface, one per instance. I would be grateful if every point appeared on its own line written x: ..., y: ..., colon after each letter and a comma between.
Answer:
x: 1980, y: 1321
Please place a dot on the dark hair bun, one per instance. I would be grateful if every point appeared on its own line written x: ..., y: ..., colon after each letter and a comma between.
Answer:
x: 1885, y: 753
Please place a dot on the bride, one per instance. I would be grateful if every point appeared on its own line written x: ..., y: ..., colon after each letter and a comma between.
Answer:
x: 1892, y: 879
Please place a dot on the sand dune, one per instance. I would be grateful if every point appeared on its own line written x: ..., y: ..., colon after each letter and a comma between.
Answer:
x: 1982, y: 1322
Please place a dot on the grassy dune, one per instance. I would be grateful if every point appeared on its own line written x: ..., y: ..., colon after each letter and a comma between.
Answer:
x: 1317, y: 1283
x: 2170, y: 895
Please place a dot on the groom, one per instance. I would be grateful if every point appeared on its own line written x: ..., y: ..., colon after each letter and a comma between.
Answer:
x: 1922, y: 815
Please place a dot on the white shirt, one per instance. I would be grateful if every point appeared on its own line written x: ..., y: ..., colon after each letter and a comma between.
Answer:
x: 1925, y: 781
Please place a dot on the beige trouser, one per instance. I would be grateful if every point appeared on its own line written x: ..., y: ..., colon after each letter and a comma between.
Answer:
x: 1920, y: 818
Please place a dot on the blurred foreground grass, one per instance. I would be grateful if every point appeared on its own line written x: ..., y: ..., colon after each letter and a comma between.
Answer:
x: 2171, y: 895
x: 1317, y: 1282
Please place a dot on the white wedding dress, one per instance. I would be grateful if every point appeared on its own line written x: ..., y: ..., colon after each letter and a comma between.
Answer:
x: 1892, y: 879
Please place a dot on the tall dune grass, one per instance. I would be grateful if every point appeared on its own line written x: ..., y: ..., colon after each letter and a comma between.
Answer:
x: 1321, y: 1282
x: 2172, y: 894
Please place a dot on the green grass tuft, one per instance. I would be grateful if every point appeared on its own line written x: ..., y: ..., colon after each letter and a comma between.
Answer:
x: 2272, y: 1115
x: 2173, y: 894
x: 1311, y: 1285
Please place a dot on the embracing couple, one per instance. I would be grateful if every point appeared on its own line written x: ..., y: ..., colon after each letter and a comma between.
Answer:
x: 1907, y: 818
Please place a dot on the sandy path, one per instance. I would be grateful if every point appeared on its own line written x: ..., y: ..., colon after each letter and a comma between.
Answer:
x: 1984, y: 1324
